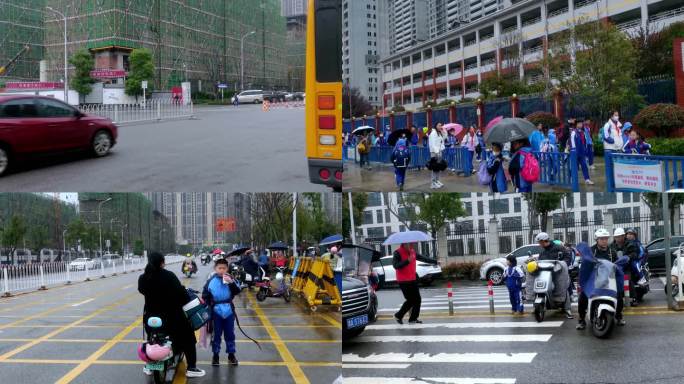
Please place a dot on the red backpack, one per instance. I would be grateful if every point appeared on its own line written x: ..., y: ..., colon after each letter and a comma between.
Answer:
x: 530, y: 170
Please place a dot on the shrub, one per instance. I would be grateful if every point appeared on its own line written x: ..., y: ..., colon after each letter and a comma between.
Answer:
x: 667, y: 146
x: 459, y: 270
x: 547, y: 119
x: 398, y: 108
x: 662, y: 119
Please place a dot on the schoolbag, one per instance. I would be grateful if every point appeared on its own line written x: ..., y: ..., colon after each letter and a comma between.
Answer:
x: 401, y: 157
x: 530, y: 170
x: 482, y: 175
x: 361, y: 147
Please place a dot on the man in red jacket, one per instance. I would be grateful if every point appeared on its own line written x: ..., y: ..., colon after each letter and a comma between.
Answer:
x: 404, y: 262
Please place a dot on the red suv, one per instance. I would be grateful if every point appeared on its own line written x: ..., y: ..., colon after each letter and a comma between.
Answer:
x: 36, y: 124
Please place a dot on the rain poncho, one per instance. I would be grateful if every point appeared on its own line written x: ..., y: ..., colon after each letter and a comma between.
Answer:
x: 561, y: 282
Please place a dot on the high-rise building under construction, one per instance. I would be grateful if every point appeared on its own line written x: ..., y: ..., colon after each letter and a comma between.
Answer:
x: 198, y: 41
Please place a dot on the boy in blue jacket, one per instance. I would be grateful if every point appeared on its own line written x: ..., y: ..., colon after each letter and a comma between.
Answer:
x: 514, y: 276
x: 218, y: 293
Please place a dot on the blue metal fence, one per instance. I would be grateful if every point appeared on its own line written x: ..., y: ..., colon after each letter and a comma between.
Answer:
x: 420, y: 119
x: 673, y: 169
x: 400, y: 121
x: 466, y: 114
x: 500, y: 107
x: 346, y: 126
x: 440, y: 116
x: 534, y: 103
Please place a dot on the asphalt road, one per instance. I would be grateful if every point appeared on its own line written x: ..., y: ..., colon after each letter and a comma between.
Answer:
x: 475, y: 347
x: 88, y: 333
x: 225, y: 148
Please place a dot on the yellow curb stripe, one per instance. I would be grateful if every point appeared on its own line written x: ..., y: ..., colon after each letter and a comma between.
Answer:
x: 179, y: 374
x: 63, y: 328
x: 76, y: 371
x: 330, y: 320
x: 310, y: 341
x: 292, y: 364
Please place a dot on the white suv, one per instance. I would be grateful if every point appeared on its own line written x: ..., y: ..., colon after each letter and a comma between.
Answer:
x: 251, y: 96
x: 493, y: 269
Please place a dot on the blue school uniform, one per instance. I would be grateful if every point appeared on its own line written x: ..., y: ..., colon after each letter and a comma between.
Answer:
x: 514, y: 277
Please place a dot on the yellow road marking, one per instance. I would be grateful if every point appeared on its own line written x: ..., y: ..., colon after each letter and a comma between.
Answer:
x: 63, y: 328
x: 67, y: 378
x: 292, y: 364
x: 332, y: 321
x: 61, y: 325
x: 246, y: 341
x: 138, y: 362
x: 179, y: 375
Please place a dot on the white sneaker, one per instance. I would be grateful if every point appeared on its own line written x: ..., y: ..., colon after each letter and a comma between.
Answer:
x: 146, y: 371
x: 439, y: 184
x: 196, y: 372
x: 433, y: 185
x: 589, y: 182
x: 642, y: 281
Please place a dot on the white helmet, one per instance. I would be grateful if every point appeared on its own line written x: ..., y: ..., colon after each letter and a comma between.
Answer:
x: 541, y: 236
x: 601, y: 232
x: 619, y: 232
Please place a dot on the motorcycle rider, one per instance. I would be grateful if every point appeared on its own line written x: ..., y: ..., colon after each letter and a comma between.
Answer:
x: 250, y: 265
x: 601, y: 250
x: 633, y: 237
x: 554, y: 251
x: 189, y: 263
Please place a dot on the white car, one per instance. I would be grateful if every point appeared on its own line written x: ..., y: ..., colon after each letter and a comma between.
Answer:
x: 250, y: 96
x: 425, y: 272
x: 81, y: 264
x: 493, y: 269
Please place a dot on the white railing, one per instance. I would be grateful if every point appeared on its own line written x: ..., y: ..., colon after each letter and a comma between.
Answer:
x: 666, y: 14
x: 582, y: 3
x: 509, y: 29
x: 153, y: 110
x: 557, y: 12
x: 628, y: 24
x: 40, y: 276
x: 527, y: 22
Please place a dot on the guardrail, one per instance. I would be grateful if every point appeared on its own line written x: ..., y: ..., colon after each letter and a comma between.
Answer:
x: 153, y: 110
x: 40, y: 276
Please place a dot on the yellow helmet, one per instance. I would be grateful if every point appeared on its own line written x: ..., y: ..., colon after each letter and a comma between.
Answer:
x: 531, y: 266
x: 425, y: 129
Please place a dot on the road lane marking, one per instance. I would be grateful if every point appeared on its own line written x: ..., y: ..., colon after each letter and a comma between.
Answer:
x: 84, y: 364
x: 315, y: 341
x: 503, y: 324
x: 423, y: 307
x: 489, y: 358
x: 82, y: 302
x: 292, y: 364
x: 426, y: 380
x: 451, y: 338
x: 63, y: 328
x: 374, y: 366
x: 127, y: 286
x: 329, y: 319
x: 207, y: 362
x: 179, y: 374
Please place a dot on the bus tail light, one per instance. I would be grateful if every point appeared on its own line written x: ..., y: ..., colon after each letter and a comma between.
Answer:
x: 324, y: 173
x: 326, y: 122
x: 326, y: 103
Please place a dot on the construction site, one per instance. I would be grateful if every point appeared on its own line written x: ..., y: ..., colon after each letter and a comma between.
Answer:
x: 198, y: 41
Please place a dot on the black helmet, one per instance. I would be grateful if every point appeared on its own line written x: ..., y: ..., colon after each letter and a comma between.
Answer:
x: 632, y: 231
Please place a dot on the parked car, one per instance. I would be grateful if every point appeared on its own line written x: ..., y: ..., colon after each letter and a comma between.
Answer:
x: 81, y: 264
x: 294, y: 96
x: 493, y: 269
x: 359, y: 301
x: 426, y: 270
x: 656, y: 252
x: 275, y: 96
x: 31, y: 125
x: 250, y: 96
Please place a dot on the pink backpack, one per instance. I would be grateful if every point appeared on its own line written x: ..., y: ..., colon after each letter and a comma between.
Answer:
x: 530, y: 170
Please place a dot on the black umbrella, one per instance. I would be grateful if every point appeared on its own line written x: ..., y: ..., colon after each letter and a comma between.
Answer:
x: 396, y: 135
x: 239, y: 251
x: 510, y: 129
x: 278, y: 245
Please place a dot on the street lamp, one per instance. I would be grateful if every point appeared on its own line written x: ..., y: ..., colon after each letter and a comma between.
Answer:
x: 99, y: 220
x: 242, y: 59
x: 66, y: 72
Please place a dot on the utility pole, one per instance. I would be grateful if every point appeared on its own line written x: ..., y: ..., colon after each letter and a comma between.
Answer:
x: 294, y: 223
x: 66, y: 72
x: 99, y: 220
x: 352, y: 230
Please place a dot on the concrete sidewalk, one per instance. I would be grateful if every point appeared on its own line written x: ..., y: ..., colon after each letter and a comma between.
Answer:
x: 381, y: 178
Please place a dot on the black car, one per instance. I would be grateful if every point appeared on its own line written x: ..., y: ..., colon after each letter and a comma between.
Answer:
x: 274, y: 96
x: 298, y: 96
x: 359, y: 302
x: 656, y: 252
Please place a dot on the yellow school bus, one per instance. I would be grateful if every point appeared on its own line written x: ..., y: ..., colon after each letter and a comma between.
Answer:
x: 324, y: 92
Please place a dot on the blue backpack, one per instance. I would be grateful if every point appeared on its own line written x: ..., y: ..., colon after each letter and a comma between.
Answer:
x: 483, y: 177
x: 401, y: 157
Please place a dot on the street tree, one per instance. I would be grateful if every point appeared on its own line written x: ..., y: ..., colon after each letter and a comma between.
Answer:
x: 138, y: 247
x: 359, y: 203
x: 313, y: 223
x: 12, y: 234
x: 142, y: 69
x: 602, y: 76
x: 540, y: 204
x: 359, y: 104
x: 81, y: 81
x: 38, y: 237
x: 271, y: 215
x: 654, y: 49
x: 654, y: 201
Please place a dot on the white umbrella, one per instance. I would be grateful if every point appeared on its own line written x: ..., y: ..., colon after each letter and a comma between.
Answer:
x: 407, y: 237
x: 362, y: 129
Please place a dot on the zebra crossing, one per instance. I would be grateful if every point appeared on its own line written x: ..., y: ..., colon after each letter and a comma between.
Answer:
x: 448, y: 352
x: 467, y: 298
x: 475, y: 348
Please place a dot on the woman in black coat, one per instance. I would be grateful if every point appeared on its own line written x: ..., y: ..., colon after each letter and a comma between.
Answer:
x: 165, y: 297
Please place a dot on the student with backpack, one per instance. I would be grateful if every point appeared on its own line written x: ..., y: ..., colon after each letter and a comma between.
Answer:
x: 494, y: 169
x: 401, y: 157
x: 636, y: 144
x: 590, y: 143
x: 524, y: 167
x: 578, y: 144
x: 481, y: 146
x: 611, y: 134
x: 364, y: 149
x: 514, y: 277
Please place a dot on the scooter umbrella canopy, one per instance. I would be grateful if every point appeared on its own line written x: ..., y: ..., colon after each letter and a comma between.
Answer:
x: 334, y: 239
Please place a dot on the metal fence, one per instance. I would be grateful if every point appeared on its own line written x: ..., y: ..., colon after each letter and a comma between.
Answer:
x: 153, y: 110
x: 38, y: 276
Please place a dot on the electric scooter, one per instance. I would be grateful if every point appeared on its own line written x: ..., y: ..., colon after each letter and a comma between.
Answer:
x: 265, y: 289
x: 156, y: 336
x: 544, y: 286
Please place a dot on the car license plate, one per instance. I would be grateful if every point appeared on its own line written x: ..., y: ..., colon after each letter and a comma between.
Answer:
x: 157, y: 366
x: 357, y: 321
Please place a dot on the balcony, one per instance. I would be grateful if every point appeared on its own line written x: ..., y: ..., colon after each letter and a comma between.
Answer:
x: 583, y: 3
x: 531, y: 21
x: 509, y: 29
x: 469, y: 43
x: 672, y: 13
x: 629, y: 26
x: 557, y: 12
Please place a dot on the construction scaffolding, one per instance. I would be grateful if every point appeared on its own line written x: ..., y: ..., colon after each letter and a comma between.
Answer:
x: 193, y: 40
x: 21, y: 24
x: 296, y: 52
